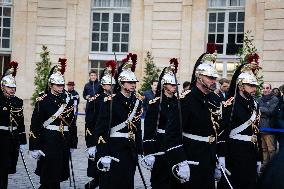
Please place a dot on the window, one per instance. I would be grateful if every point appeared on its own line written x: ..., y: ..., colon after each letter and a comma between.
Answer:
x: 226, y: 29
x: 110, y: 26
x: 4, y: 61
x: 5, y: 24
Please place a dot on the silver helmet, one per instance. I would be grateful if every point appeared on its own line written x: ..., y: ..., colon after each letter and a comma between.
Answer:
x: 107, y: 77
x: 207, y: 66
x: 169, y: 74
x: 247, y: 76
x: 57, y: 76
x: 9, y: 76
x: 128, y: 69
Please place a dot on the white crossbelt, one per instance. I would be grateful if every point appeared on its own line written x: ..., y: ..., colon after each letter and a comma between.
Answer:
x: 7, y: 128
x: 118, y: 134
x: 242, y: 137
x: 208, y: 139
x: 124, y: 124
x: 56, y: 128
x: 162, y: 131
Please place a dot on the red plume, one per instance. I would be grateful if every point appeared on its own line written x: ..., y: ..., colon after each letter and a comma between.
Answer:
x: 174, y: 61
x: 134, y: 61
x: 253, y: 58
x: 211, y: 48
x: 112, y: 64
x: 13, y: 65
x: 63, y: 64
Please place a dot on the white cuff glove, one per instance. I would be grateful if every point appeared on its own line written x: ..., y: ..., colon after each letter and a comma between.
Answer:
x: 217, y: 174
x: 149, y: 161
x: 105, y: 161
x: 22, y: 147
x: 72, y: 150
x: 221, y: 162
x: 92, y: 151
x: 36, y: 154
x: 258, y: 167
x: 183, y: 172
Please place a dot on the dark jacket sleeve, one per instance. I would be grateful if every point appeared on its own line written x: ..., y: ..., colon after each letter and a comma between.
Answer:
x: 138, y: 136
x: 73, y: 131
x: 150, y: 126
x: 174, y: 145
x: 102, y: 130
x: 21, y: 126
x: 267, y: 109
x: 85, y: 91
x: 93, y: 110
x: 36, y: 128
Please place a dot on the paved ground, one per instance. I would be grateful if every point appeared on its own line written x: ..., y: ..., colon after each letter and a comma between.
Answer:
x: 20, y: 179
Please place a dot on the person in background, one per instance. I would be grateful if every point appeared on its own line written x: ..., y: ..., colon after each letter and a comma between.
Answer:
x: 185, y: 86
x: 276, y: 92
x: 149, y: 95
x: 74, y: 94
x: 267, y: 104
x: 224, y: 88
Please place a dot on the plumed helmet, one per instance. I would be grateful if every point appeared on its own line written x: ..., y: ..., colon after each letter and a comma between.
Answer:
x: 128, y: 69
x: 57, y: 73
x: 8, y: 78
x: 108, y: 73
x: 169, y: 73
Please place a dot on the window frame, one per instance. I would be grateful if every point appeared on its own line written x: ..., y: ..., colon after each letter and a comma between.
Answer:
x: 3, y: 5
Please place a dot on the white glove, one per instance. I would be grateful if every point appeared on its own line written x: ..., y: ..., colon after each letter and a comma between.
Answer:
x: 22, y: 147
x: 183, y: 172
x: 72, y: 150
x: 149, y: 161
x: 221, y: 162
x: 106, y: 163
x: 92, y: 151
x: 258, y: 166
x: 217, y: 174
x: 36, y: 154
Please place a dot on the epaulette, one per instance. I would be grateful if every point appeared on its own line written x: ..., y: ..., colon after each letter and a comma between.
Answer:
x: 228, y: 102
x: 108, y: 98
x: 93, y: 98
x: 182, y: 95
x: 139, y: 96
x: 41, y: 97
x: 154, y: 100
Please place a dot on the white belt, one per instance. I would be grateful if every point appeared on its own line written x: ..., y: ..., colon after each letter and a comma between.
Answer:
x: 162, y: 131
x: 56, y: 128
x: 208, y: 139
x: 7, y: 128
x: 246, y: 138
x: 118, y: 134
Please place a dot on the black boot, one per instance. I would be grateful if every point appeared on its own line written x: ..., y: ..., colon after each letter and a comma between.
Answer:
x: 92, y: 184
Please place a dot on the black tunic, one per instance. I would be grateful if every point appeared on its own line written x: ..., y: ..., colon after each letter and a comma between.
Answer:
x: 94, y: 110
x: 241, y: 156
x: 11, y: 114
x: 121, y: 175
x: 154, y: 141
x: 54, y: 167
x: 196, y: 120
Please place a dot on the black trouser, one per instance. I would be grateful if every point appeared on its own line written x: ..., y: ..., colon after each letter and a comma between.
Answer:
x: 3, y: 180
x: 50, y: 186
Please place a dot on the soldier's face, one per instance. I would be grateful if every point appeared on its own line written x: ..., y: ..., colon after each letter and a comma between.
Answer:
x: 9, y: 91
x: 57, y: 89
x: 170, y: 89
x: 248, y: 90
x: 129, y: 86
x: 210, y: 82
x: 106, y: 87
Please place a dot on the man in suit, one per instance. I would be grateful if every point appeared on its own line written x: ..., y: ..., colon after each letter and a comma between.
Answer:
x: 224, y: 87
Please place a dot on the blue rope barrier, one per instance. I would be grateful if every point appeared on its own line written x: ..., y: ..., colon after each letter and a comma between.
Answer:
x: 79, y: 113
x: 271, y: 130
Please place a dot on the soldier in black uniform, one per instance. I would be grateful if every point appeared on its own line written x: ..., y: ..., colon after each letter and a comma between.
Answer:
x: 154, y: 128
x: 243, y: 157
x: 12, y: 128
x: 118, y: 131
x: 53, y: 133
x: 95, y: 103
x: 195, y: 139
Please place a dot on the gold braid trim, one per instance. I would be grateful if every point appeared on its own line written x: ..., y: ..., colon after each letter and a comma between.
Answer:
x: 101, y: 140
x: 31, y: 134
x: 88, y: 132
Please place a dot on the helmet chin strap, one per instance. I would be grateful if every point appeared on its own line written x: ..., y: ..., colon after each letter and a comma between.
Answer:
x: 206, y: 86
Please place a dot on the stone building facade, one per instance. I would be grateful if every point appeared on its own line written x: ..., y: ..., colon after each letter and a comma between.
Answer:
x: 87, y: 32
